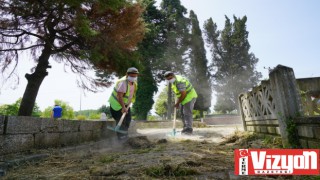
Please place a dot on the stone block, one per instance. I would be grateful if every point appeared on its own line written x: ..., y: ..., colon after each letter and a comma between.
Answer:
x: 2, y: 124
x: 71, y: 125
x: 90, y: 125
x: 23, y: 125
x: 305, y: 131
x: 69, y: 138
x: 313, y: 144
x: 250, y: 128
x: 96, y: 135
x: 45, y: 140
x: 84, y: 136
x: 49, y: 125
x: 263, y: 122
x: 256, y: 129
x: 271, y: 130
x: 278, y: 130
x: 16, y: 143
x: 316, y: 131
x: 263, y: 129
x: 303, y: 143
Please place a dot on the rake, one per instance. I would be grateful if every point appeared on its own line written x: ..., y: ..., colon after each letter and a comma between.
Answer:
x: 174, y: 131
x: 117, y: 128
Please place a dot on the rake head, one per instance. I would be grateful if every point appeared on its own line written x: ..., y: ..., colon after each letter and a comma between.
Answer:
x: 117, y: 129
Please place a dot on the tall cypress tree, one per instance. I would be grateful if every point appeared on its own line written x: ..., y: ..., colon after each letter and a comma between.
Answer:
x: 150, y: 49
x: 176, y: 31
x: 234, y: 65
x: 199, y: 76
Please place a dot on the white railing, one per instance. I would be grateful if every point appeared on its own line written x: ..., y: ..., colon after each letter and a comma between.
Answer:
x: 258, y: 104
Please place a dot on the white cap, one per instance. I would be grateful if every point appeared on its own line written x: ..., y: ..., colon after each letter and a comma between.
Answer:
x: 168, y: 73
x: 133, y: 70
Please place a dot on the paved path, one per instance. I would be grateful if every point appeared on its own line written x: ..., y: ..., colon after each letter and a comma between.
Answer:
x: 211, y: 134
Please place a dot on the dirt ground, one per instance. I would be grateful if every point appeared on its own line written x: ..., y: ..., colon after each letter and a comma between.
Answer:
x: 152, y: 154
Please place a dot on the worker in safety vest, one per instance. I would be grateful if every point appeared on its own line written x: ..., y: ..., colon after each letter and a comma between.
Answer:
x: 124, y: 93
x: 186, y: 96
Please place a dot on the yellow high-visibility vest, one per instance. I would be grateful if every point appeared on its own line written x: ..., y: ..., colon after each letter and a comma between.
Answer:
x: 191, y: 92
x: 113, y: 100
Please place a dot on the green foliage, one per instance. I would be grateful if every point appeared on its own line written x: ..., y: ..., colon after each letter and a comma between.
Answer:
x: 199, y: 75
x: 67, y: 110
x: 83, y: 34
x: 233, y: 64
x: 109, y: 158
x: 92, y: 113
x: 47, y: 112
x: 81, y: 117
x: 196, y: 114
x: 175, y: 31
x: 13, y: 109
x: 150, y: 49
x: 94, y: 116
x: 293, y: 137
x: 152, y: 118
x: 161, y: 103
x: 106, y: 110
x: 144, y: 100
x: 87, y: 113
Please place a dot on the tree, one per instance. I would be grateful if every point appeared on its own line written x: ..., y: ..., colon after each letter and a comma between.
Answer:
x: 161, y: 103
x: 199, y: 74
x: 67, y: 110
x: 234, y: 65
x: 176, y: 40
x: 150, y: 49
x: 13, y: 109
x: 144, y: 99
x: 83, y: 35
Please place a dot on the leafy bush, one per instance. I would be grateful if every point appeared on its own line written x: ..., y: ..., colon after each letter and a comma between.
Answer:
x: 81, y: 117
x: 95, y: 116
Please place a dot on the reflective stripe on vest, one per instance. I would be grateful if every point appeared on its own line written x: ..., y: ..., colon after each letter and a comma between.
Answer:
x: 115, y: 90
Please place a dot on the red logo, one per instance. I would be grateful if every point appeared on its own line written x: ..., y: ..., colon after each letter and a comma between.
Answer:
x: 277, y: 161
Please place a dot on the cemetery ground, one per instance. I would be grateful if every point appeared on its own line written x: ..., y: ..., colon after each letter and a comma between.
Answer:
x: 149, y: 154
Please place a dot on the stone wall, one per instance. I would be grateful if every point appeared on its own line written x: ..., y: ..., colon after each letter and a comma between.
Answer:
x: 222, y: 119
x: 308, y: 129
x: 19, y: 133
x: 268, y: 107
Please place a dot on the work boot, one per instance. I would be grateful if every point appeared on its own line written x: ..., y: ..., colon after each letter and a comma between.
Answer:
x: 187, y: 131
x: 184, y: 130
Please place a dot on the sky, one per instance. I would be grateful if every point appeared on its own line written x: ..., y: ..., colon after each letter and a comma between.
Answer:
x: 285, y: 32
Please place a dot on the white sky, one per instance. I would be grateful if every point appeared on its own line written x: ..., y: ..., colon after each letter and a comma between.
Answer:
x: 280, y: 32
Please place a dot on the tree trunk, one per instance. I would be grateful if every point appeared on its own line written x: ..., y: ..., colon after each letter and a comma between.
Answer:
x: 34, y: 81
x: 169, y: 104
x: 201, y: 114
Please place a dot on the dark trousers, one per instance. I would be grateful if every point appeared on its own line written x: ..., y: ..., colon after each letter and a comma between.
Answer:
x: 126, y: 121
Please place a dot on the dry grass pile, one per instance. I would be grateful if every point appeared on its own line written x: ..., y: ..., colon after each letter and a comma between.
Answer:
x: 241, y: 139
